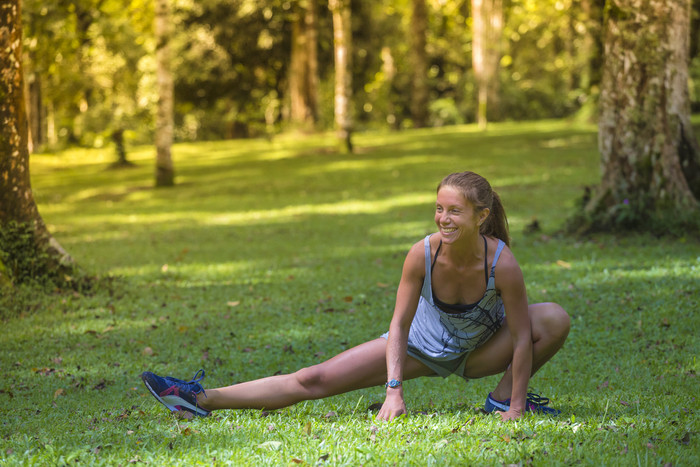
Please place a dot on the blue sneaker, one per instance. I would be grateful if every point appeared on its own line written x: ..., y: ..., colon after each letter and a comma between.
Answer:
x: 534, y: 403
x: 176, y: 394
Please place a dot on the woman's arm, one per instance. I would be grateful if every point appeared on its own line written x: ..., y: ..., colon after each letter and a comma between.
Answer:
x: 407, y: 298
x: 510, y: 283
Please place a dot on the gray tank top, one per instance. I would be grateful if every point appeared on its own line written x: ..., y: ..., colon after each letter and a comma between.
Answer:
x: 444, y: 336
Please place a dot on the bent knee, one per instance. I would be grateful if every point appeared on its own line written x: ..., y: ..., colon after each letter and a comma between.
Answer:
x: 554, y: 320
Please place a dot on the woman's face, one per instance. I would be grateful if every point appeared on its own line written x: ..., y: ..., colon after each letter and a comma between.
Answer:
x: 455, y: 216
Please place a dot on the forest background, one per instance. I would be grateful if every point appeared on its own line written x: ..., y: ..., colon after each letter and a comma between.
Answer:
x: 90, y: 67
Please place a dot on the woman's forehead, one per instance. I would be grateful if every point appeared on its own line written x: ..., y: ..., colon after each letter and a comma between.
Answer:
x: 449, y: 195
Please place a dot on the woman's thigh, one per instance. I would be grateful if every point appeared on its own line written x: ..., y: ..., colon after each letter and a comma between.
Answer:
x: 496, y: 354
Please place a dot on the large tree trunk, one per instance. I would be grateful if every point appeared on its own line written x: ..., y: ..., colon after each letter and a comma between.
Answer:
x: 342, y: 44
x: 649, y: 154
x: 487, y: 24
x: 303, y: 73
x: 17, y: 205
x: 165, y: 171
x: 419, y: 64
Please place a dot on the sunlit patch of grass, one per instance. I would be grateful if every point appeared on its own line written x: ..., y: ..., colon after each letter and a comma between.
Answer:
x: 272, y: 255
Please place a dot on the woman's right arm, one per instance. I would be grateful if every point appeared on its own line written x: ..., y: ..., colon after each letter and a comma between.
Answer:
x: 407, y: 298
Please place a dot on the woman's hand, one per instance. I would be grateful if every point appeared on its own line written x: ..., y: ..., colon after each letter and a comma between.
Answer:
x: 510, y: 415
x: 393, y: 405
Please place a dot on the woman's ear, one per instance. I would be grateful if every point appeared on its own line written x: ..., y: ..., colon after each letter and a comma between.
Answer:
x: 483, y: 215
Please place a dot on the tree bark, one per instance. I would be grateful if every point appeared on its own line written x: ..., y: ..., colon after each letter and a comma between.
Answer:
x: 342, y: 44
x: 649, y: 155
x: 165, y: 171
x: 17, y: 204
x: 419, y: 64
x: 303, y: 72
x: 487, y: 24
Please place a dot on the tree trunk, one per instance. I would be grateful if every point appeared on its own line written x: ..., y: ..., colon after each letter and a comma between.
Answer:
x: 303, y: 73
x: 649, y: 154
x: 342, y: 44
x: 165, y: 171
x: 487, y: 24
x: 17, y: 205
x: 419, y: 64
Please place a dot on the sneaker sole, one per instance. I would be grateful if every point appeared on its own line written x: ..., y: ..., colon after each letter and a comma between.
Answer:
x: 178, y: 403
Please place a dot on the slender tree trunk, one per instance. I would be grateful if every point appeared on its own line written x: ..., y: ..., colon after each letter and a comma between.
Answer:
x: 303, y: 73
x: 487, y: 24
x: 649, y: 154
x: 165, y: 171
x: 342, y: 43
x: 17, y: 205
x: 419, y: 64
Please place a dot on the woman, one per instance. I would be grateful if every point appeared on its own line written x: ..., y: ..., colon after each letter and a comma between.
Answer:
x: 461, y: 308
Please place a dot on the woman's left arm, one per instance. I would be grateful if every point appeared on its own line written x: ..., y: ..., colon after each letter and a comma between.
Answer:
x: 510, y: 283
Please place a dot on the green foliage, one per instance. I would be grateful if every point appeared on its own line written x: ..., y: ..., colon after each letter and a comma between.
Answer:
x: 94, y: 64
x: 273, y: 255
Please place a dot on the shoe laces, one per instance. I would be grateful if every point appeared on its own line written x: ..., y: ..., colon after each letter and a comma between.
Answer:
x: 193, y: 385
x: 537, y: 400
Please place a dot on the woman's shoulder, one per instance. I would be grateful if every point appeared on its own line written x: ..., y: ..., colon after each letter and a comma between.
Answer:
x: 507, y: 267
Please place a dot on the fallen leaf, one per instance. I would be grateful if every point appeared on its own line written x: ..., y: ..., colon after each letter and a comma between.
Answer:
x: 625, y: 403
x: 603, y: 385
x: 685, y: 439
x: 307, y: 429
x: 348, y: 299
x: 183, y: 415
x: 182, y: 328
x: 382, y: 285
x: 58, y: 392
x: 164, y: 268
x: 232, y: 304
x: 108, y: 328
x: 330, y: 414
x: 271, y: 445
x: 563, y: 264
x: 324, y: 457
x: 147, y: 351
x: 297, y: 461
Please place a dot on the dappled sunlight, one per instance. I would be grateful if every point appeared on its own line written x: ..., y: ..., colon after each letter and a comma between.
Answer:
x: 354, y: 206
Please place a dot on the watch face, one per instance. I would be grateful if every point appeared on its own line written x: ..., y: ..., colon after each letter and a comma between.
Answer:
x: 393, y: 383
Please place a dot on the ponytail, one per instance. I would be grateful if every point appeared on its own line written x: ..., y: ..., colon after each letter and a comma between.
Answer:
x: 496, y: 224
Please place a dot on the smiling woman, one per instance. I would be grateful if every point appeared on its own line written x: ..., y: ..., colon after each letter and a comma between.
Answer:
x: 483, y: 325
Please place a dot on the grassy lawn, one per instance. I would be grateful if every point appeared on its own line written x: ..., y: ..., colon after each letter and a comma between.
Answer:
x: 269, y: 256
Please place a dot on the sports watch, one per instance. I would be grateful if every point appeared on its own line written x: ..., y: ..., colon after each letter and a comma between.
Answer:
x: 394, y: 383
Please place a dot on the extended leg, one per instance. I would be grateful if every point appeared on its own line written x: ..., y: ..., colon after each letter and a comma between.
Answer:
x: 359, y: 367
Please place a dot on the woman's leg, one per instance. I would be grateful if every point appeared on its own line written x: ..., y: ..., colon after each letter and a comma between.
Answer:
x: 356, y: 368
x: 550, y: 326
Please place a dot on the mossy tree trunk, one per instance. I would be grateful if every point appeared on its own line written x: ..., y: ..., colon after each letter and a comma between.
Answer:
x: 17, y: 204
x: 342, y: 45
x: 649, y: 155
x: 165, y: 170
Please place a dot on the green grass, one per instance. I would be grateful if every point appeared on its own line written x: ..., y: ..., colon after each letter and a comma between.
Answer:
x: 269, y: 256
